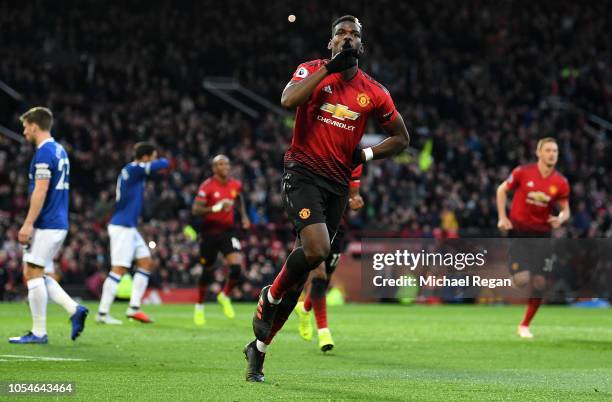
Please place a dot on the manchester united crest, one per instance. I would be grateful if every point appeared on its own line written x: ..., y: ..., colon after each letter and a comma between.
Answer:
x: 553, y: 190
x: 363, y: 99
x: 304, y: 213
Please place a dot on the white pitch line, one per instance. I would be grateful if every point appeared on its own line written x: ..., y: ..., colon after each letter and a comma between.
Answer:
x: 53, y: 359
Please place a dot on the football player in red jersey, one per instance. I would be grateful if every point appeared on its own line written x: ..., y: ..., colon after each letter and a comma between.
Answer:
x: 538, y: 189
x: 321, y: 276
x: 334, y: 100
x: 215, y: 202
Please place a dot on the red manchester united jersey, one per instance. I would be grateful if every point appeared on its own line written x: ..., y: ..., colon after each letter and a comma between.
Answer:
x: 329, y: 126
x: 211, y: 192
x: 535, y: 196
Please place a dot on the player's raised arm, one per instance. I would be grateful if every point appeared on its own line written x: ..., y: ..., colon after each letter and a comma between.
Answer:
x: 298, y: 92
x: 37, y: 201
x: 159, y: 164
x: 306, y: 79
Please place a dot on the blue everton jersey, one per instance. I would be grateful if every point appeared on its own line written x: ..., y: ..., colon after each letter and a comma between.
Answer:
x: 130, y: 191
x: 51, y: 163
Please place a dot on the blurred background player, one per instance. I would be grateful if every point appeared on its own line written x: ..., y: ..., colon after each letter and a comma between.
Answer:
x: 126, y: 244
x: 539, y: 188
x: 46, y: 226
x: 215, y: 203
x: 320, y: 277
x: 334, y: 100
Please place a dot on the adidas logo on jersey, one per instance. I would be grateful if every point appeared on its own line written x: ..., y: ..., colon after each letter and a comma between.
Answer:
x: 327, y: 88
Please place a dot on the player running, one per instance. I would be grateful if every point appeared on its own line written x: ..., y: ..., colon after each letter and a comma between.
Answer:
x: 538, y: 189
x: 321, y: 277
x: 334, y: 100
x: 126, y: 244
x: 46, y: 226
x: 215, y: 202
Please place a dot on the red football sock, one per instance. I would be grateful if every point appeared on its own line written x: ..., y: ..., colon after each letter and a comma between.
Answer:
x: 532, y: 307
x: 320, y: 311
x: 232, y: 278
x: 307, y: 302
x: 318, y: 290
x: 202, y: 293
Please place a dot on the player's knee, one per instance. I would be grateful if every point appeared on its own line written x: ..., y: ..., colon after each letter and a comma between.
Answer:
x: 234, y: 271
x: 119, y: 270
x: 319, y: 272
x: 207, y: 277
x: 145, y: 264
x: 539, y: 283
x: 32, y: 272
x: 521, y: 280
x: 316, y: 253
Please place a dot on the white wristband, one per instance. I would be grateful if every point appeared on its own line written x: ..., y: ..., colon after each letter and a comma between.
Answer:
x: 217, y: 207
x: 369, y: 154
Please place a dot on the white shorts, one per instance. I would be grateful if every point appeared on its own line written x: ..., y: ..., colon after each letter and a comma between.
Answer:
x: 126, y: 245
x: 44, y: 245
x: 50, y: 268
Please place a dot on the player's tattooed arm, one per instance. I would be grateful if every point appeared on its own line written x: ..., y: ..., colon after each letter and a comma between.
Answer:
x: 397, y: 141
x: 298, y: 92
x: 36, y: 203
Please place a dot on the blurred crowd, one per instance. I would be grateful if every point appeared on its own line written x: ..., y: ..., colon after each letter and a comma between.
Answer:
x: 476, y: 82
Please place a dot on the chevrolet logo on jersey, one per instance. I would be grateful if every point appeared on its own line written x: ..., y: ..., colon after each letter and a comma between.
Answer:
x: 340, y: 112
x: 538, y: 198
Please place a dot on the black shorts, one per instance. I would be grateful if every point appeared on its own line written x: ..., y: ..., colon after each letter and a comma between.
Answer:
x: 531, y: 252
x: 337, y: 248
x: 308, y: 199
x: 213, y: 244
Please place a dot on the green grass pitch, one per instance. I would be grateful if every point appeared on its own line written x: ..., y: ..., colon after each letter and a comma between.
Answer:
x: 383, y: 352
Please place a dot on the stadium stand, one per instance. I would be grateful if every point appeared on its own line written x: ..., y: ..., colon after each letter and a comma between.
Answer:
x: 116, y: 73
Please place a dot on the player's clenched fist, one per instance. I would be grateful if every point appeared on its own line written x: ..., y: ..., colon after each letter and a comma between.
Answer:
x: 355, y: 203
x: 224, y: 205
x: 346, y: 59
x: 504, y: 224
x: 25, y: 233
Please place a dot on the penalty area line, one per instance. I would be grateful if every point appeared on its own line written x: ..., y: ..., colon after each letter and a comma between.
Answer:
x: 41, y: 358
